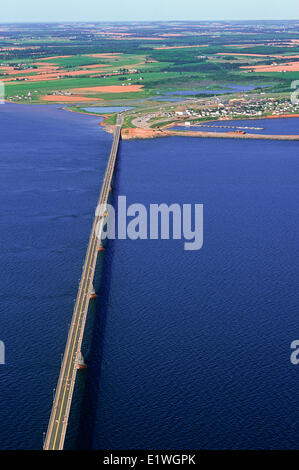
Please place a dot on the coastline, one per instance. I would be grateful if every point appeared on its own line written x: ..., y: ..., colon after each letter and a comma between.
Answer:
x: 143, y: 133
x: 216, y: 135
x: 138, y: 133
x: 107, y: 127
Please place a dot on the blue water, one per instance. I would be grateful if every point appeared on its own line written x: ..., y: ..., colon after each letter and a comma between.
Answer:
x: 107, y: 109
x: 195, y: 350
x: 52, y: 163
x: 282, y: 126
x: 185, y: 349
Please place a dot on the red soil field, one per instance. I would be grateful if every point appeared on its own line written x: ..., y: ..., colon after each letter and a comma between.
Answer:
x: 39, y: 72
x: 67, y: 99
x: 288, y: 67
x: 109, y: 89
x: 282, y: 116
x: 138, y: 133
x: 259, y: 55
x: 94, y: 66
x: 44, y: 75
x: 54, y: 57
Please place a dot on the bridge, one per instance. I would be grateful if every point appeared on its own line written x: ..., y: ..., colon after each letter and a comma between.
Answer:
x: 72, y: 358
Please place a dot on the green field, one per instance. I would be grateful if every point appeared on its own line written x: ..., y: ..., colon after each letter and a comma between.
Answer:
x: 142, y: 61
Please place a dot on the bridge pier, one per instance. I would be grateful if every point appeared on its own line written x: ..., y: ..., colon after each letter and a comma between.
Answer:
x: 81, y: 363
x: 93, y: 294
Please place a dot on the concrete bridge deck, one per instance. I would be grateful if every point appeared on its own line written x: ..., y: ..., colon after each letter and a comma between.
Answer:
x: 65, y: 387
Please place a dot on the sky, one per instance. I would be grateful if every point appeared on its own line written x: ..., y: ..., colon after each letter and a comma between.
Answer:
x: 146, y: 10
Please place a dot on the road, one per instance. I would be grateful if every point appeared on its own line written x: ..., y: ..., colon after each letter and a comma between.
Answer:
x: 65, y: 387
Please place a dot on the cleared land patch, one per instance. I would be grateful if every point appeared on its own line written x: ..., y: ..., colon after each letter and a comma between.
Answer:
x: 109, y: 89
x: 287, y: 67
x: 68, y: 99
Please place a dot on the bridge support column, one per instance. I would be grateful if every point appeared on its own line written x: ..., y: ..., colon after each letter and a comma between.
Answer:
x: 81, y: 363
x: 93, y: 294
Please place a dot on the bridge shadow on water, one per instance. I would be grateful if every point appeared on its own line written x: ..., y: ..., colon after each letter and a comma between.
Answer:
x: 91, y: 392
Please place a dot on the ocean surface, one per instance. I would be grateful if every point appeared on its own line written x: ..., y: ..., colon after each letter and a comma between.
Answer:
x: 184, y: 349
x: 52, y: 165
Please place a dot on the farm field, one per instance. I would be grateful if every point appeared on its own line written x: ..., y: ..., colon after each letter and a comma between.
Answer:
x: 112, y: 63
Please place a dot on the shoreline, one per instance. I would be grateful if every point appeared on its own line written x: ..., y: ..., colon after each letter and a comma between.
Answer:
x: 216, y: 135
x: 147, y: 133
x: 254, y: 118
x: 144, y: 133
x: 139, y: 133
x: 107, y: 127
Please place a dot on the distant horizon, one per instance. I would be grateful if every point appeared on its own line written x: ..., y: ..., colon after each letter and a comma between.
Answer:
x: 154, y: 21
x: 33, y: 11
